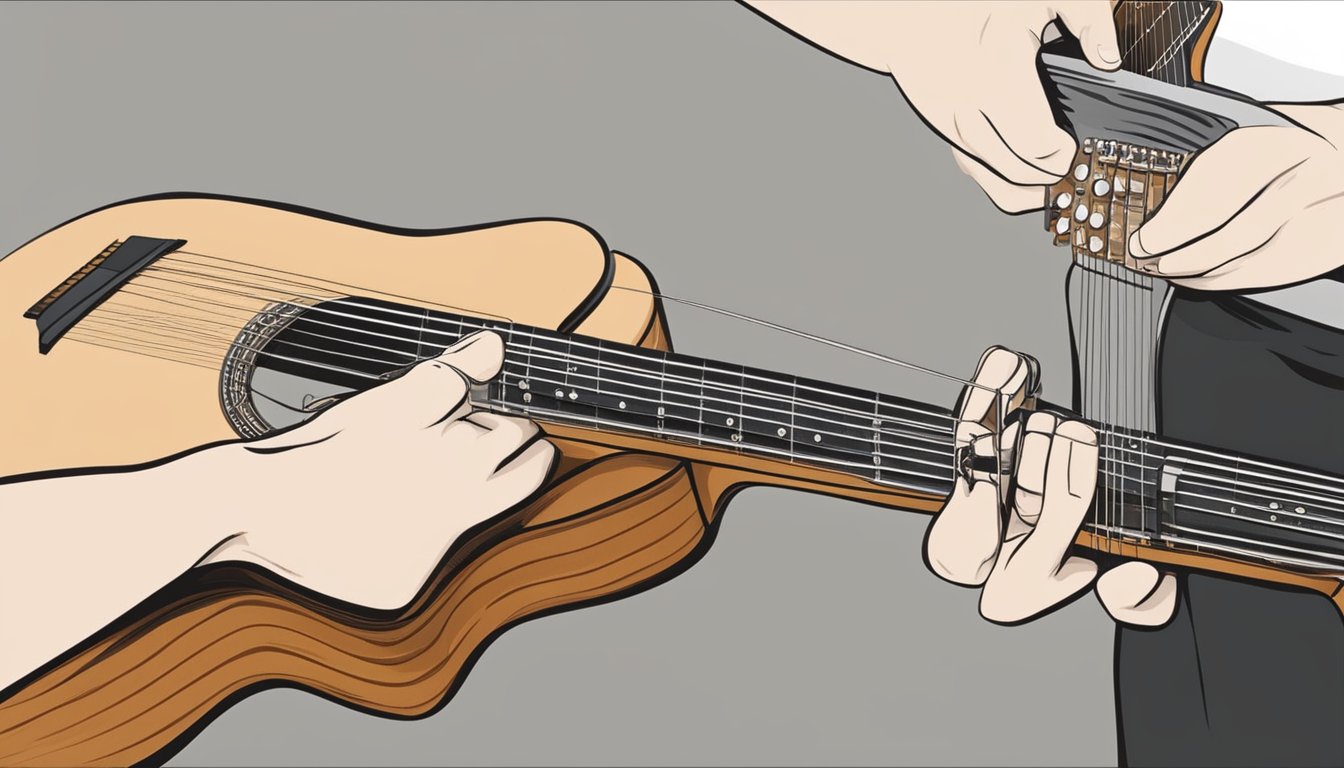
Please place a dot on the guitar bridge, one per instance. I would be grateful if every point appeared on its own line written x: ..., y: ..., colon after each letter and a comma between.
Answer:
x: 69, y: 302
x: 1112, y: 189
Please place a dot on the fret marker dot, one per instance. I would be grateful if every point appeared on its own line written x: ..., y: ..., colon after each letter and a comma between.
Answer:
x: 527, y: 397
x: 523, y: 385
x: 560, y: 393
x: 1234, y: 510
x: 728, y: 421
x: 622, y: 405
x: 816, y: 438
x: 1273, y: 505
x: 661, y: 412
x: 877, y: 459
x: 1272, y: 518
x: 781, y: 431
x: 1300, y: 510
x: 573, y: 395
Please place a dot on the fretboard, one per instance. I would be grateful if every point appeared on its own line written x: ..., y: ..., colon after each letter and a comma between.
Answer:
x: 1150, y: 490
x: 614, y: 387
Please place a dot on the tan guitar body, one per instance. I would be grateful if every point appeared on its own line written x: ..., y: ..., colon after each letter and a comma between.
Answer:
x: 618, y: 517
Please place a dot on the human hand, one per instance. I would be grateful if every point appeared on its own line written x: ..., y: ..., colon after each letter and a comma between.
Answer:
x: 1023, y: 563
x: 363, y: 501
x: 1260, y: 207
x: 969, y: 70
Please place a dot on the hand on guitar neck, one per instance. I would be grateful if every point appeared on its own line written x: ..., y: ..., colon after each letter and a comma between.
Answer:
x: 359, y: 504
x: 1022, y: 560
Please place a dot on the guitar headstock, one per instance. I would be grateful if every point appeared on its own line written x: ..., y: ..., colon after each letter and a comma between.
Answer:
x: 1114, y: 185
x: 1110, y: 191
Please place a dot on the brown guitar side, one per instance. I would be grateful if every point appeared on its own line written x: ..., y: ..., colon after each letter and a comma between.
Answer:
x: 621, y: 517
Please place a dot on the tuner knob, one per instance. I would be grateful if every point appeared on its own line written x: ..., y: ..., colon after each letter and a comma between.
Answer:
x: 1080, y: 173
x: 1094, y: 244
x: 1101, y: 188
x: 1080, y: 213
x: 1097, y: 219
x: 1062, y: 225
x: 1063, y: 200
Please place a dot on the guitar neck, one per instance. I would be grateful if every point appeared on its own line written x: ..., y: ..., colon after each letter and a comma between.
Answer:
x: 1152, y: 492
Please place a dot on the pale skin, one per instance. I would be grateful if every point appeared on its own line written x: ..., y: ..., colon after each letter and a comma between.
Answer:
x: 1257, y: 209
x: 360, y: 503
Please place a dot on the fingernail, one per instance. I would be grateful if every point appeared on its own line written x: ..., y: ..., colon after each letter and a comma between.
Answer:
x: 1109, y: 53
x: 1136, y: 248
x: 464, y: 342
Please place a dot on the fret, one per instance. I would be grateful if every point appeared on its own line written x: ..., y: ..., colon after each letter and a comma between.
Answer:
x: 677, y: 397
x: 631, y: 391
x: 835, y: 425
x: 723, y: 403
x: 768, y: 410
x: 683, y: 395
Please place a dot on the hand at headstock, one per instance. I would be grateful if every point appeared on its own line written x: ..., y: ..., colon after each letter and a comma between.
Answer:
x: 969, y: 70
x: 1258, y: 208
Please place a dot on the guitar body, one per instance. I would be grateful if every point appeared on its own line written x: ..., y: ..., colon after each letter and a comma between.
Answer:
x: 612, y: 522
x: 146, y: 375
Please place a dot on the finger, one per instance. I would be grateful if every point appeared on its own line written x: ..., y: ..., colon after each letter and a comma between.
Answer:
x: 478, y: 357
x: 1007, y: 197
x: 525, y: 473
x: 1033, y: 573
x: 963, y: 541
x: 503, y: 434
x: 1135, y: 593
x: 1293, y: 253
x: 435, y: 390
x: 1019, y: 142
x: 1093, y: 23
x: 1031, y: 464
x: 1013, y: 596
x: 1070, y: 483
x: 1220, y: 187
x: 1001, y: 378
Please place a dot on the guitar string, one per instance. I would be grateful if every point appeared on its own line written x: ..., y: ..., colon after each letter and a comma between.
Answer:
x: 1115, y: 531
x: 1143, y: 438
x: 781, y: 398
x: 898, y: 406
x: 1163, y: 444
x: 542, y: 352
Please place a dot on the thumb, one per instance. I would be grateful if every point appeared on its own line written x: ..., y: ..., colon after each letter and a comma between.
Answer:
x: 478, y: 357
x: 435, y: 390
x: 1093, y: 24
x: 1136, y: 593
x: 430, y: 392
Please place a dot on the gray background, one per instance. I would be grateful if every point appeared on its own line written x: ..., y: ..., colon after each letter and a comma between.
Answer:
x: 746, y: 169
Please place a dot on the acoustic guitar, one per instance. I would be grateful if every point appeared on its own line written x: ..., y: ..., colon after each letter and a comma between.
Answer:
x: 208, y: 318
